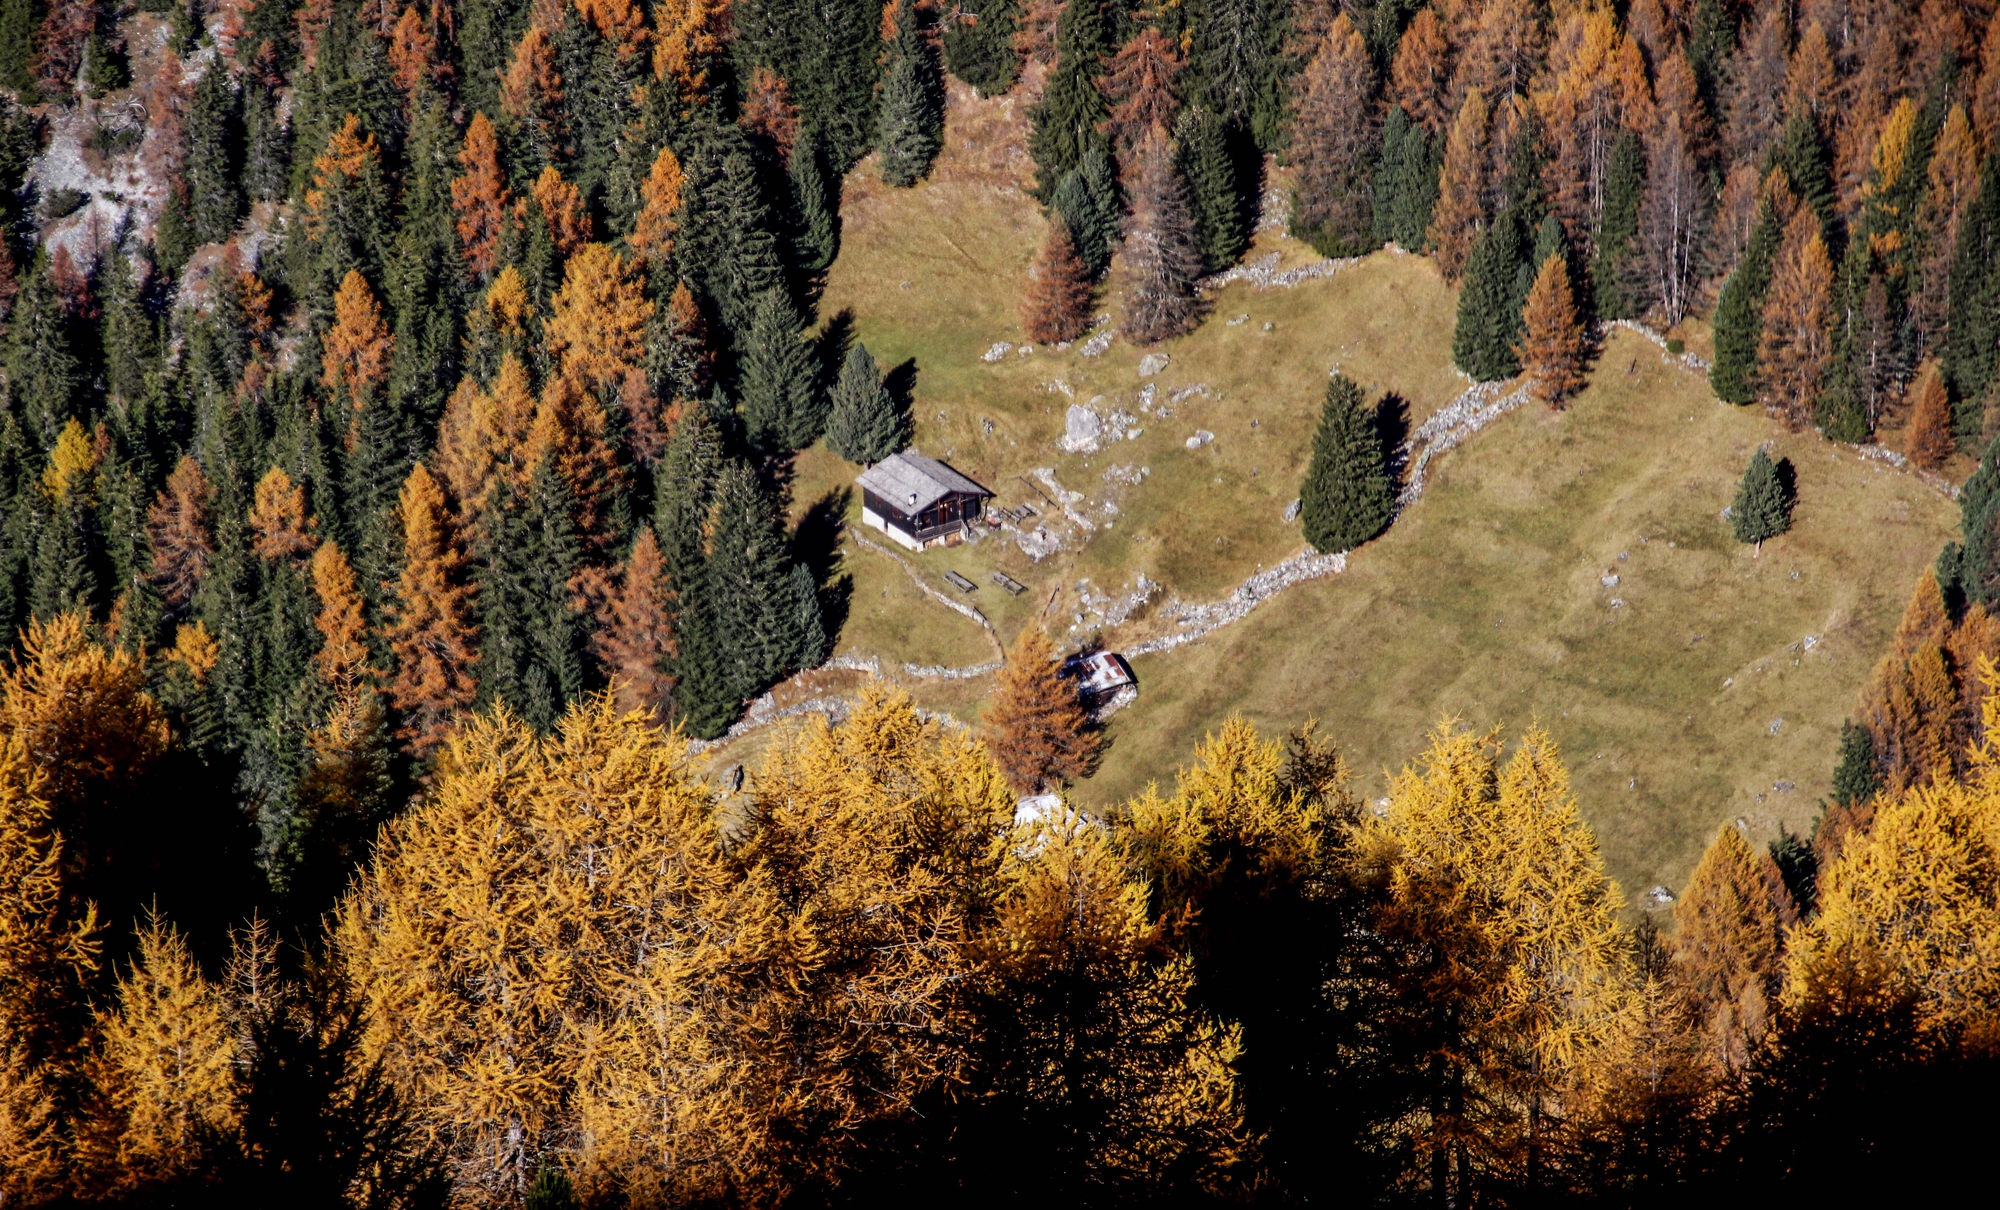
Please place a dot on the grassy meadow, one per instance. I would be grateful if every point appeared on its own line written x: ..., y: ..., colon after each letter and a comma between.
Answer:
x: 1712, y: 691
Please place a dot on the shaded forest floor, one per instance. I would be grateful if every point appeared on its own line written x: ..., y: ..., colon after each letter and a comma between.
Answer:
x: 1707, y: 684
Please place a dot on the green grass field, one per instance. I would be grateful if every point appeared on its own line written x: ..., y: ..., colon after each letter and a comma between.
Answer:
x: 1713, y: 693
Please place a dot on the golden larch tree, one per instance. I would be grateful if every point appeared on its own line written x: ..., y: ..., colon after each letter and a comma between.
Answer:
x: 279, y: 526
x: 1039, y: 733
x: 1931, y: 439
x: 1553, y: 344
x: 480, y: 196
x: 72, y: 469
x: 1794, y: 345
x: 1729, y: 939
x: 48, y: 952
x: 563, y: 210
x: 689, y: 38
x: 1596, y: 90
x: 1055, y: 305
x: 350, y: 160
x: 598, y: 327
x: 164, y: 1067
x: 342, y: 661
x: 431, y: 631
x: 1420, y: 74
x: 633, y: 1063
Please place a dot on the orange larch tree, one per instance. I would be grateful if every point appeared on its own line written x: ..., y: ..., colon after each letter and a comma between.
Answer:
x: 768, y: 112
x: 1931, y: 440
x: 563, y: 210
x: 1038, y: 732
x: 1553, y: 344
x: 278, y: 519
x: 570, y: 426
x: 1056, y: 304
x: 354, y: 357
x: 531, y: 93
x: 1598, y: 91
x: 689, y: 37
x: 431, y: 630
x: 659, y: 209
x: 181, y: 533
x: 342, y: 659
x: 1139, y: 83
x: 480, y: 196
x: 1795, y: 343
x: 1420, y: 76
x: 1461, y: 206
x: 636, y: 640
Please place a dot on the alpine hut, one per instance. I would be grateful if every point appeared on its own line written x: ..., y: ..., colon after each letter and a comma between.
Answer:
x: 919, y: 501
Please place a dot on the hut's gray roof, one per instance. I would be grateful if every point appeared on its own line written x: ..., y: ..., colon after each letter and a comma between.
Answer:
x: 900, y: 476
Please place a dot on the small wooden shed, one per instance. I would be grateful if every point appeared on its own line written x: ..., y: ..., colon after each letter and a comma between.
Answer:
x: 919, y: 501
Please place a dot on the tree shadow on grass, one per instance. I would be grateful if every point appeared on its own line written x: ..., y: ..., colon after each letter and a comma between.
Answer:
x: 831, y: 345
x: 1392, y: 429
x: 816, y: 543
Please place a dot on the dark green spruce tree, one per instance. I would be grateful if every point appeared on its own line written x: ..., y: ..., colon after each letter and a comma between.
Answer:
x: 747, y: 585
x: 981, y: 51
x: 1763, y: 508
x: 1347, y: 497
x: 728, y: 250
x: 1855, y: 777
x: 1739, y: 313
x: 1801, y: 152
x: 1616, y: 272
x: 1406, y: 183
x: 1489, y: 315
x: 1221, y: 229
x: 911, y: 131
x: 43, y: 375
x: 1089, y: 203
x: 815, y: 206
x: 555, y: 631
x: 781, y: 406
x: 1972, y: 334
x: 1066, y: 119
x: 864, y: 424
x: 214, y: 167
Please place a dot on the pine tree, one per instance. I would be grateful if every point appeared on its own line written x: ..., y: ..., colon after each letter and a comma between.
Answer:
x: 864, y: 423
x: 1855, y: 777
x: 912, y: 122
x: 1037, y: 730
x: 1334, y: 144
x: 1346, y: 497
x: 1739, y: 312
x: 1220, y: 230
x: 635, y: 640
x: 1088, y: 202
x: 1930, y: 440
x: 214, y: 157
x: 1482, y: 342
x: 1553, y: 344
x: 1160, y: 255
x: 431, y: 630
x: 1802, y: 156
x: 781, y: 408
x: 1405, y: 183
x: 1066, y: 119
x: 1055, y: 304
x: 1763, y: 507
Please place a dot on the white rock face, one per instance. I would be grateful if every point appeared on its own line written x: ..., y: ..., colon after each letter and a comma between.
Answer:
x: 1082, y: 429
x: 1152, y: 363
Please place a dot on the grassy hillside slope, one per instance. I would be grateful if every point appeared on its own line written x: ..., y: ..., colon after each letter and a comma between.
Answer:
x: 1714, y: 691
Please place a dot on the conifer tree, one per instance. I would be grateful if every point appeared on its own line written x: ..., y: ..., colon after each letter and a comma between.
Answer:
x: 1553, y: 344
x: 1482, y: 342
x: 342, y: 661
x: 1346, y: 497
x: 1763, y: 507
x: 1220, y: 230
x: 1040, y: 735
x: 213, y: 169
x: 815, y: 205
x: 1855, y: 777
x: 43, y: 374
x: 180, y: 530
x: 1420, y: 77
x: 728, y: 251
x: 431, y: 631
x: 635, y: 639
x: 480, y: 197
x: 1739, y: 312
x: 981, y: 51
x: 678, y: 360
x: 1160, y: 253
x: 1614, y: 273
x: 740, y: 632
x: 1792, y: 350
x: 1972, y: 332
x: 1930, y: 441
x: 912, y: 120
x: 864, y: 423
x: 1729, y: 942
x: 659, y: 215
x: 347, y: 219
x: 1055, y: 304
x: 1334, y: 144
x: 130, y: 338
x: 550, y: 555
x: 781, y: 410
x: 1065, y: 121
x: 597, y: 327
x: 1406, y: 182
x: 1461, y: 207
x: 1088, y: 201
x: 1139, y: 85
